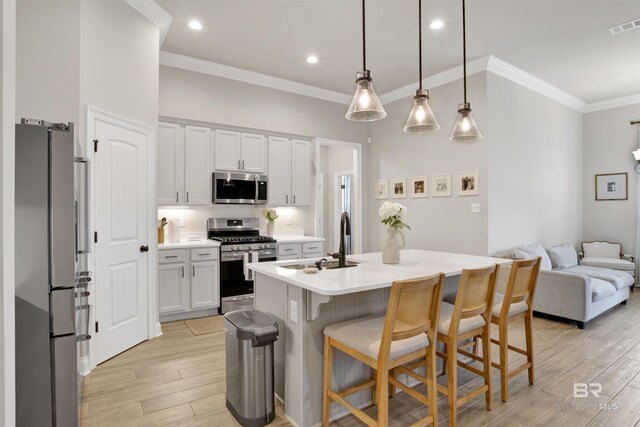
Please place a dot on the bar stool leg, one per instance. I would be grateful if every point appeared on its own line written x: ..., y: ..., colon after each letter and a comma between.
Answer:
x: 444, y: 361
x: 392, y: 388
x: 528, y: 330
x: 504, y: 360
x: 374, y: 395
x: 486, y: 359
x: 452, y: 364
x: 432, y: 381
x: 326, y: 386
x: 382, y: 392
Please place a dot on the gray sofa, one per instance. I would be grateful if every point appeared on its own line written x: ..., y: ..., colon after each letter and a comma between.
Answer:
x: 566, y: 289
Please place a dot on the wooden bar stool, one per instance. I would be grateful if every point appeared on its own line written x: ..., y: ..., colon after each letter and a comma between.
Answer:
x: 469, y: 317
x: 516, y: 304
x: 405, y: 333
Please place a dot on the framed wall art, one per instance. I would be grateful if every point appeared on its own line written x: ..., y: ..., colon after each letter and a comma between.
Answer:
x: 468, y: 184
x: 419, y: 188
x: 441, y: 185
x: 612, y: 186
x: 382, y: 189
x: 398, y: 188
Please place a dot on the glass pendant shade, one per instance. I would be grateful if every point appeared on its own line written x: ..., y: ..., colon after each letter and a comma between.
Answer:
x: 421, y: 118
x: 636, y: 155
x: 465, y: 129
x: 365, y: 105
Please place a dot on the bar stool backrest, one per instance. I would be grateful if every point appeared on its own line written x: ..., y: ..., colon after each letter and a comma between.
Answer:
x: 522, y: 282
x: 475, y: 294
x: 413, y: 309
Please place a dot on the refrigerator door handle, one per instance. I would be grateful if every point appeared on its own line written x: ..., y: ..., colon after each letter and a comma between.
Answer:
x: 86, y: 336
x: 86, y: 249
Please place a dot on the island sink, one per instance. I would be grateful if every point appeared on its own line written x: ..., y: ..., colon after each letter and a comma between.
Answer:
x: 328, y: 265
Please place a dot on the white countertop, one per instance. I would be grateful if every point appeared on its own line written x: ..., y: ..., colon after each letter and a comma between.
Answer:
x: 205, y: 243
x: 298, y: 239
x: 372, y: 273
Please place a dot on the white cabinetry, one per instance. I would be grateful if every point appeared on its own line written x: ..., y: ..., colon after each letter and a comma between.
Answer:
x: 184, y: 171
x: 236, y: 151
x: 197, y: 169
x: 170, y: 164
x: 303, y: 250
x: 289, y: 172
x: 279, y: 171
x: 188, y: 282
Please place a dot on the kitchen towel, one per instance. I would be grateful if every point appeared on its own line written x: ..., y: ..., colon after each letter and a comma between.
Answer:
x: 249, y: 258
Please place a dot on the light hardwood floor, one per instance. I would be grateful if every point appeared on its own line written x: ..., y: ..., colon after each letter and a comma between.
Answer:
x: 178, y: 379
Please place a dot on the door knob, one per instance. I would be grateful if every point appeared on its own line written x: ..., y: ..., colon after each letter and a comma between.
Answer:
x: 144, y: 248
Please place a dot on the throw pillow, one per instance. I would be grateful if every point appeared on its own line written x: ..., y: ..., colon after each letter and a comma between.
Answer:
x: 563, y: 256
x: 536, y: 250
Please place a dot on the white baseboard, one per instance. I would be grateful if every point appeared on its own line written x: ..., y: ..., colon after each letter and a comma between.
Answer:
x: 85, y: 366
x: 188, y: 315
x: 157, y: 330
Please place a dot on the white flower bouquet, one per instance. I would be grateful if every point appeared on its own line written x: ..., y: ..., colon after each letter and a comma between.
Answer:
x: 393, y: 214
x: 270, y: 214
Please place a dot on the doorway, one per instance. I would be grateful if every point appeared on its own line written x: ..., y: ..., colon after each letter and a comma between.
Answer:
x: 338, y: 189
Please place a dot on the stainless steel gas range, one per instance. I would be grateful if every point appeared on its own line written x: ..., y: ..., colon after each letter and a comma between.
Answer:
x: 240, y: 244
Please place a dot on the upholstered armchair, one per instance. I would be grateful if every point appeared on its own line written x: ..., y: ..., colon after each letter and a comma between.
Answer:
x: 607, y: 255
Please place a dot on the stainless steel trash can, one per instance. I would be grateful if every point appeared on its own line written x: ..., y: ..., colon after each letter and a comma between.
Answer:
x: 249, y: 338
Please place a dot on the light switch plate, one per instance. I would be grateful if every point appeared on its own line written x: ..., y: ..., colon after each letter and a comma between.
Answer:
x: 293, y: 311
x: 475, y: 207
x: 289, y: 220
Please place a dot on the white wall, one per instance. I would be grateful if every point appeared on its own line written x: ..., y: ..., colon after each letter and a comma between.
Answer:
x: 609, y: 140
x: 535, y: 168
x: 7, y: 207
x: 195, y: 96
x: 444, y: 224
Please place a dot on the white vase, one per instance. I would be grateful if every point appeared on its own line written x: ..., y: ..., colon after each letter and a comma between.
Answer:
x: 391, y: 250
x: 270, y: 225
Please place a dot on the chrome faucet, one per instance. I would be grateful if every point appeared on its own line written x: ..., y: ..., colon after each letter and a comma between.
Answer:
x: 345, y: 230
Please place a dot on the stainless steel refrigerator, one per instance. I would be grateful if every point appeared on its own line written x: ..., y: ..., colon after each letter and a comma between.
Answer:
x: 52, y: 240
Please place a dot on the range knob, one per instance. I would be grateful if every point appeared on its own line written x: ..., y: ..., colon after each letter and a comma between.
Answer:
x: 234, y: 248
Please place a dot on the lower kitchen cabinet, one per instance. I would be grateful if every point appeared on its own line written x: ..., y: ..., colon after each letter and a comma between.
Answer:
x: 172, y: 291
x: 188, y: 287
x: 203, y: 275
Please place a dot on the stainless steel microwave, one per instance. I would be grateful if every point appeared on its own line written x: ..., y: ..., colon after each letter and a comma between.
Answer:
x: 239, y: 188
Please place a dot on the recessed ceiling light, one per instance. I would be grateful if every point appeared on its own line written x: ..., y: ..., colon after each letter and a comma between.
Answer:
x: 195, y: 25
x: 312, y: 59
x: 436, y: 25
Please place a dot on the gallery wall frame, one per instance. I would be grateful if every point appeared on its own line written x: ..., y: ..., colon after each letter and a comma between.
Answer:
x: 612, y: 186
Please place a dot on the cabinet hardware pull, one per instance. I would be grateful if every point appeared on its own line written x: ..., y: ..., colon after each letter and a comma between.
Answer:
x: 187, y: 197
x: 207, y: 254
x: 243, y: 165
x: 288, y: 250
x: 170, y: 256
x: 177, y: 199
x: 194, y: 270
x: 287, y: 201
x: 294, y: 199
x: 183, y: 271
x: 239, y: 165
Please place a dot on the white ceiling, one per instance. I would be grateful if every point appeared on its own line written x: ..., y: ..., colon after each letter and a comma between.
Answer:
x: 564, y: 42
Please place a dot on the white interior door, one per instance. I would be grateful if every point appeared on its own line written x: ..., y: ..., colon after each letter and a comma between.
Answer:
x: 121, y: 215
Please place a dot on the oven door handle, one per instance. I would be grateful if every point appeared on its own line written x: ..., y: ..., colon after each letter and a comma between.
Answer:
x: 231, y: 257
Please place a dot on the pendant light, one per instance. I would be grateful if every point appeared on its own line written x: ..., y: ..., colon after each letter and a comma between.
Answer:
x: 365, y: 105
x: 421, y: 118
x: 465, y: 129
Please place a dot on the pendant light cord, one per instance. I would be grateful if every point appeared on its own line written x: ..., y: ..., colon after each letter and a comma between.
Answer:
x: 420, y: 39
x: 364, y: 41
x: 464, y: 51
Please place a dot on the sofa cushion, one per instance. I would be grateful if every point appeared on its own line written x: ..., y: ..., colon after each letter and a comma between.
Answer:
x: 531, y: 251
x: 563, y: 256
x: 619, y: 279
x: 614, y: 263
x: 601, y: 290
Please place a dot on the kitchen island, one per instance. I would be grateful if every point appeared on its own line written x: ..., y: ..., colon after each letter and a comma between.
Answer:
x: 305, y: 304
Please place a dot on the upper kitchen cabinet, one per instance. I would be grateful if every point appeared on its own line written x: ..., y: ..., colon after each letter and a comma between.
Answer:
x: 301, y: 172
x: 289, y: 172
x: 239, y: 151
x: 197, y: 182
x: 170, y: 164
x: 279, y: 187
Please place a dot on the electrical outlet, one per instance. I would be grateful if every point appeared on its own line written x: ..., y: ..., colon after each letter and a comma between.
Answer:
x: 289, y: 220
x: 475, y: 207
x: 293, y: 311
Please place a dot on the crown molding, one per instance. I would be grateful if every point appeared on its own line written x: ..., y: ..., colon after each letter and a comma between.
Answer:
x: 154, y: 13
x: 613, y: 103
x: 232, y: 73
x: 521, y: 77
x: 488, y: 63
